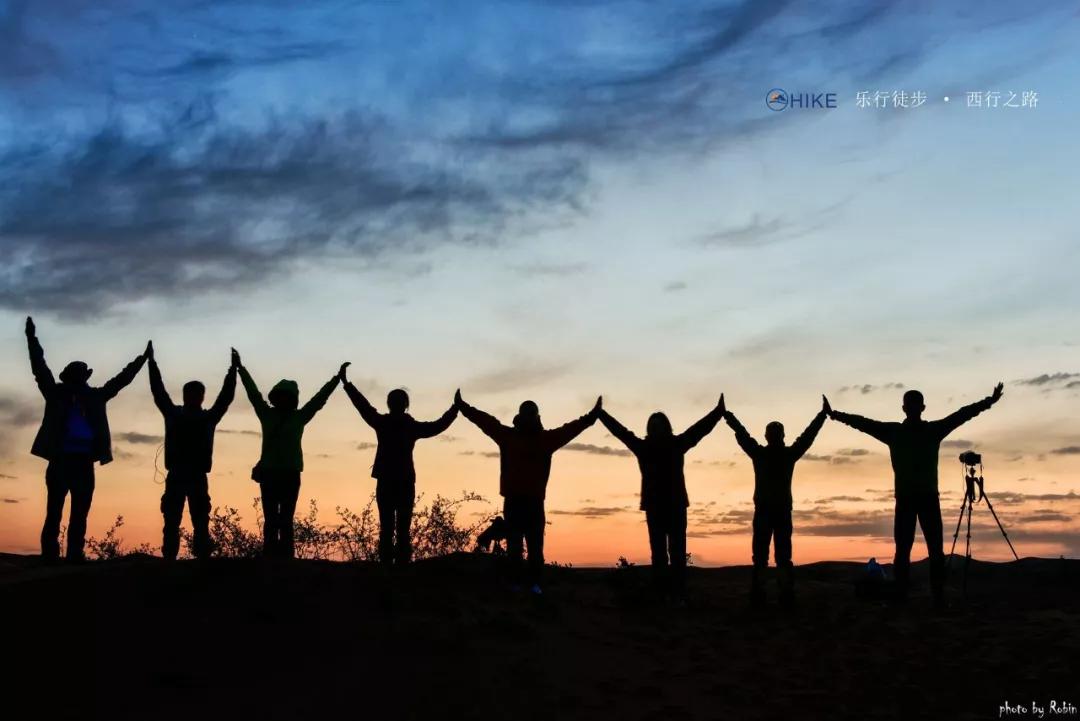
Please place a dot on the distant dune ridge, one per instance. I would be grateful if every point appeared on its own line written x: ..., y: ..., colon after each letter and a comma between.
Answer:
x: 137, y: 638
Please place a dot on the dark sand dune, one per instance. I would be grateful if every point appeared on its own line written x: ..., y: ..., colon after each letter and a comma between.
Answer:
x: 137, y: 639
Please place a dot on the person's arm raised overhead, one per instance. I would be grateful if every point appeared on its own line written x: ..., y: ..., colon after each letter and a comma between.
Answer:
x: 429, y: 429
x: 559, y: 437
x: 488, y: 424
x: 313, y: 406
x: 257, y: 401
x: 228, y: 390
x: 697, y: 432
x: 875, y: 429
x: 359, y: 400
x: 806, y: 439
x: 953, y: 421
x: 746, y: 441
x: 157, y: 386
x: 42, y: 375
x: 120, y: 381
x: 624, y: 434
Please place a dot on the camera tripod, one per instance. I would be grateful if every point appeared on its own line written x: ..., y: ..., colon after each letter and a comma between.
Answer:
x: 971, y: 481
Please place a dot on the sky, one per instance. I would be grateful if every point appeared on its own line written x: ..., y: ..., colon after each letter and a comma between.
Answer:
x: 554, y: 200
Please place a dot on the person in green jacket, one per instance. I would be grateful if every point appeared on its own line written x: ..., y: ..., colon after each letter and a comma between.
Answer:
x: 282, y: 459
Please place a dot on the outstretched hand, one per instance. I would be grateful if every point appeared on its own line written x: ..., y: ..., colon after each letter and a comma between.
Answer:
x: 342, y: 370
x: 599, y: 406
x: 149, y: 352
x: 999, y: 390
x: 234, y: 357
x: 721, y: 405
x: 826, y: 407
x: 458, y: 401
x: 31, y: 330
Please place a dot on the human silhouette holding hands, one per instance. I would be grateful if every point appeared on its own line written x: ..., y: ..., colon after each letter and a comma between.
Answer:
x: 281, y: 461
x: 525, y: 452
x: 774, y: 466
x: 189, y: 455
x: 394, y: 471
x: 74, y: 435
x: 914, y: 445
x: 661, y: 456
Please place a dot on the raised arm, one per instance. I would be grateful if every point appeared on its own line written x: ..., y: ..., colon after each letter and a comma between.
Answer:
x: 359, y: 400
x: 624, y: 434
x: 429, y: 429
x: 742, y: 436
x: 157, y: 386
x: 695, y: 433
x: 488, y: 424
x: 313, y: 406
x: 228, y: 391
x: 806, y: 439
x: 42, y: 375
x: 120, y: 381
x: 559, y: 437
x: 257, y: 401
x: 950, y: 423
x: 876, y: 429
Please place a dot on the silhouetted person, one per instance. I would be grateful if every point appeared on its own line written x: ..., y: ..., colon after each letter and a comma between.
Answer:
x: 661, y: 456
x: 774, y: 465
x: 282, y: 458
x: 74, y: 435
x: 525, y: 451
x: 914, y: 446
x: 394, y: 472
x: 189, y: 454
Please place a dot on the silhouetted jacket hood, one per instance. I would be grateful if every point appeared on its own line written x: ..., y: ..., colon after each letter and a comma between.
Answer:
x: 283, y: 429
x: 59, y: 399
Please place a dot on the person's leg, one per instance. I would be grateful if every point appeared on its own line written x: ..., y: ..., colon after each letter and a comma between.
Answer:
x: 904, y: 535
x: 270, y: 508
x: 514, y: 537
x: 81, y: 477
x: 406, y: 498
x: 657, y: 527
x: 384, y: 501
x: 762, y: 529
x: 676, y: 534
x: 198, y: 496
x: 781, y: 522
x: 56, y: 488
x: 534, y: 539
x: 929, y: 511
x: 172, y: 511
x: 290, y: 493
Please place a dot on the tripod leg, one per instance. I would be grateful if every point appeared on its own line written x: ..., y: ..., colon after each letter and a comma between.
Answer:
x: 956, y: 533
x: 967, y: 549
x: 1003, y: 533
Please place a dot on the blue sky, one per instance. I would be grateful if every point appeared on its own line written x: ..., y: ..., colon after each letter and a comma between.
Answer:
x: 550, y: 199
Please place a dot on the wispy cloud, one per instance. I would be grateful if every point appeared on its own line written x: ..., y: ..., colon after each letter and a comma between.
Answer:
x: 597, y: 450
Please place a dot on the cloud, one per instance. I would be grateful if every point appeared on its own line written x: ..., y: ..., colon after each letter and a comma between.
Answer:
x: 182, y: 161
x: 592, y: 511
x: 523, y: 373
x: 482, y: 454
x: 15, y: 413
x: 11, y: 500
x: 366, y: 446
x: 550, y: 269
x: 1047, y: 379
x: 958, y: 443
x: 7, y: 477
x: 1067, y: 451
x: 239, y: 432
x: 841, y: 499
x: 868, y: 388
x: 675, y: 286
x: 140, y: 438
x: 597, y: 450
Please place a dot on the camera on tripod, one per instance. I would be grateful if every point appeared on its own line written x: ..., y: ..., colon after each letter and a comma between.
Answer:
x: 971, y: 458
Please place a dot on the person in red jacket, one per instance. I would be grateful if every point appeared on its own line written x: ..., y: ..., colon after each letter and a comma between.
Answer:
x: 661, y: 455
x: 74, y: 435
x: 394, y: 471
x: 525, y: 451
